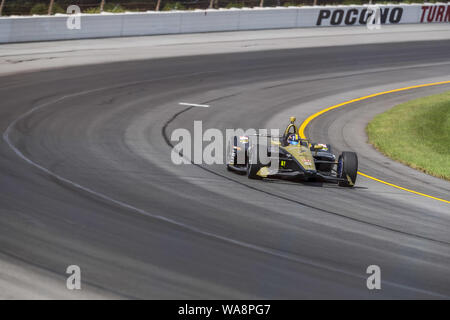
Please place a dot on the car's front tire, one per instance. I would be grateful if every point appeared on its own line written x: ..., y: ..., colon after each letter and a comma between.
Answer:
x: 347, y: 168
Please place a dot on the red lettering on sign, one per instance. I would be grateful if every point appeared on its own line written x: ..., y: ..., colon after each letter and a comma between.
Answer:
x: 424, y: 10
x: 440, y: 14
x: 447, y: 15
x: 431, y: 14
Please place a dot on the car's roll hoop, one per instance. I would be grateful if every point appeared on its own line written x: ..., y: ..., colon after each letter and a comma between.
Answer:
x: 291, y: 126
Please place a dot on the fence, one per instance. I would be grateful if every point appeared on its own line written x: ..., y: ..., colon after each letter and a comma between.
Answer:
x: 42, y: 7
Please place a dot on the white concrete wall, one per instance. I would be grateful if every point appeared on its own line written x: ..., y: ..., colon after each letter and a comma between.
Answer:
x: 139, y: 24
x: 41, y: 28
x: 209, y: 20
x: 260, y: 18
x: 5, y: 30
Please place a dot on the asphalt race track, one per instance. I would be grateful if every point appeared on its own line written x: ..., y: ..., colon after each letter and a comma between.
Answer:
x: 86, y: 179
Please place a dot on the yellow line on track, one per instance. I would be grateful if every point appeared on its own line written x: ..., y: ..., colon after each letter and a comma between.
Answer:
x: 315, y: 115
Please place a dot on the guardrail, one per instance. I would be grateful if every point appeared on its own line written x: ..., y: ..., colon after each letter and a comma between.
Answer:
x: 58, y: 27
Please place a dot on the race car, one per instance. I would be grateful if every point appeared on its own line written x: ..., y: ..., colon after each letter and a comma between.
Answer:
x: 295, y: 158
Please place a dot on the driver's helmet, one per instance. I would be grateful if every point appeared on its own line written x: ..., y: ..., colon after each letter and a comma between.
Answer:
x: 293, y: 139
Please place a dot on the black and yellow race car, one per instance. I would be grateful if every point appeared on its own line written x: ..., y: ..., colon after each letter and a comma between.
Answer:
x: 295, y: 158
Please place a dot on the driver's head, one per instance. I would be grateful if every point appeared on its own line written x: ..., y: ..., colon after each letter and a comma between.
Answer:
x: 293, y: 139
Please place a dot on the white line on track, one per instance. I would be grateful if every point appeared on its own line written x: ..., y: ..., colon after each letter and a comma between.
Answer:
x: 193, y: 105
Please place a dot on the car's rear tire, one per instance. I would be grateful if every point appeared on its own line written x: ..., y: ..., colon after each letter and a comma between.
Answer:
x: 235, y: 151
x: 253, y: 165
x: 347, y: 169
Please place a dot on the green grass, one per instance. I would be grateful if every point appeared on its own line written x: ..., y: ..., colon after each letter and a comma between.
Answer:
x: 416, y: 133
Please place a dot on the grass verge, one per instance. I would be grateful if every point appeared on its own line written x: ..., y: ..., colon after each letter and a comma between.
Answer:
x: 416, y: 133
